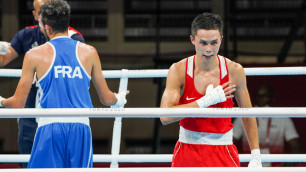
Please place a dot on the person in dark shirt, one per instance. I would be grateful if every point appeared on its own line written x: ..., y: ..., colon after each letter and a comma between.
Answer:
x: 62, y: 142
x: 23, y: 41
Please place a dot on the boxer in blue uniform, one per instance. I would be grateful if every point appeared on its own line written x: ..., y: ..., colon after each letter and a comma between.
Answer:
x: 64, y: 68
x: 24, y: 40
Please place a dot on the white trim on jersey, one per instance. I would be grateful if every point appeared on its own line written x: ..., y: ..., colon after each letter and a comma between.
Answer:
x: 193, y: 137
x: 78, y: 59
x: 61, y: 37
x: 51, y: 65
x: 223, y: 66
x: 39, y: 95
x: 48, y: 120
x: 34, y: 78
x: 190, y: 66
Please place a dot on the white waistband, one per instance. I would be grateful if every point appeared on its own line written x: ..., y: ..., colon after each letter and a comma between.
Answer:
x: 48, y: 120
x: 192, y: 137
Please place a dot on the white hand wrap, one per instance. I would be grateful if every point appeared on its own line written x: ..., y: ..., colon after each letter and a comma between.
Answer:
x: 255, y: 159
x: 4, y: 47
x: 1, y: 98
x: 121, y: 100
x: 212, y: 96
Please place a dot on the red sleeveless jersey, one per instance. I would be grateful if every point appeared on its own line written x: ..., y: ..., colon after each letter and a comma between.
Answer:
x: 190, y: 94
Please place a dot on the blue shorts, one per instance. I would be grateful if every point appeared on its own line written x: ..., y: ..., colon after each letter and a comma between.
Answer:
x: 62, y: 145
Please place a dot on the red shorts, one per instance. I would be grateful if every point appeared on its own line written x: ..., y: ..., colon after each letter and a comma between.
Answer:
x: 194, y: 155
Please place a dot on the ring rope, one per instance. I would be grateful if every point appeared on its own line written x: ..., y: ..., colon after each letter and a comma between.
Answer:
x: 155, y: 158
x: 164, y: 169
x: 156, y: 73
x: 154, y: 112
x: 124, y: 74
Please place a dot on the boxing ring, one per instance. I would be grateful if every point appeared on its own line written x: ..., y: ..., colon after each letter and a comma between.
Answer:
x: 114, y: 158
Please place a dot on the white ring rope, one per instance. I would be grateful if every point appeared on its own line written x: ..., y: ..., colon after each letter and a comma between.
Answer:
x: 155, y: 158
x: 197, y: 169
x: 156, y: 73
x: 154, y: 112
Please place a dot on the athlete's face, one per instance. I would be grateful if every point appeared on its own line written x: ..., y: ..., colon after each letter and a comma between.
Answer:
x: 207, y: 43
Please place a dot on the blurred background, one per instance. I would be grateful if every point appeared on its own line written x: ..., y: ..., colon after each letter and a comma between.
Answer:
x: 153, y: 34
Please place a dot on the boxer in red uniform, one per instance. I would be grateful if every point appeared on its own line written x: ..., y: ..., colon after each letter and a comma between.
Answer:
x: 208, y: 80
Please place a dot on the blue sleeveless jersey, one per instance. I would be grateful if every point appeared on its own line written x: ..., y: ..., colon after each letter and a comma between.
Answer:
x: 28, y: 38
x: 66, y: 83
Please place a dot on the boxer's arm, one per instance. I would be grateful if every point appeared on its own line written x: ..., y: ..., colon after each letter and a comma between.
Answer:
x: 18, y: 100
x: 249, y: 124
x: 171, y: 95
x: 106, y: 96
